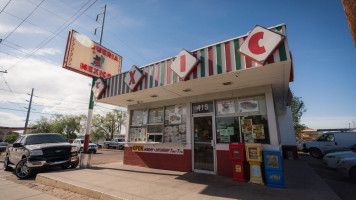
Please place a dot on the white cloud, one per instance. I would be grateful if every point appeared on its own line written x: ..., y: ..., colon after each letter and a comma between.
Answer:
x: 329, y: 122
x: 42, y: 52
x: 6, y: 29
x: 10, y: 119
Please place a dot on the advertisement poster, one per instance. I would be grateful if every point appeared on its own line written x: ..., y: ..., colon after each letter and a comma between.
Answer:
x: 246, y: 125
x: 248, y: 137
x: 175, y: 118
x: 258, y: 131
x: 255, y: 170
x: 226, y: 107
x: 230, y: 130
x: 272, y: 161
x: 253, y: 154
x: 248, y: 106
x: 180, y: 109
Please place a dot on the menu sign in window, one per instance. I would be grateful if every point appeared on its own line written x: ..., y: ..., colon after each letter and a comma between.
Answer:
x: 202, y: 107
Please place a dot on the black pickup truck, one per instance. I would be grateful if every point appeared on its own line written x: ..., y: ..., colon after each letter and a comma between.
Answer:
x: 35, y: 151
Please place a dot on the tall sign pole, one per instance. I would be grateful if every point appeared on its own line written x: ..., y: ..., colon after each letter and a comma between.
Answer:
x: 91, y: 101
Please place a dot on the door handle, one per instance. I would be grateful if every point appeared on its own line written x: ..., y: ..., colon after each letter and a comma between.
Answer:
x: 212, y: 143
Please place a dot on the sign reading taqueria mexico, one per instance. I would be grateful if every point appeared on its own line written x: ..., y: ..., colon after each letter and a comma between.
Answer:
x: 87, y: 57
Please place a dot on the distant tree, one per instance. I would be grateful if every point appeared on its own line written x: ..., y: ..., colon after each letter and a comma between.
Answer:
x: 298, y: 108
x: 10, y: 138
x: 43, y: 125
x: 109, y: 124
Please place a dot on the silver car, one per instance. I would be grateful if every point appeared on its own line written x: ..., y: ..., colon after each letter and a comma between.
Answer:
x: 347, y: 167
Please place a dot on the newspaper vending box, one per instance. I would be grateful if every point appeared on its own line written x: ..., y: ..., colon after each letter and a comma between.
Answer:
x: 237, y: 156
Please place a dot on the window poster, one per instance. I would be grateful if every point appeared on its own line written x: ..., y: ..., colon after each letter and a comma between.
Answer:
x: 248, y: 105
x: 173, y: 135
x: 255, y: 170
x: 258, y: 131
x: 226, y: 107
x: 246, y: 125
x: 230, y: 130
x: 175, y: 118
x: 272, y: 161
x: 180, y: 109
x: 138, y: 135
x: 253, y: 153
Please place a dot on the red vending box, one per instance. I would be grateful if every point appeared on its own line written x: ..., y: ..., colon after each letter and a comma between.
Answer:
x: 237, y: 156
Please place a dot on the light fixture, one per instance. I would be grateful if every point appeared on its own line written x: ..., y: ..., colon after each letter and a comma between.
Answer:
x: 227, y: 83
x: 154, y: 95
x: 129, y: 100
x: 187, y: 90
x: 237, y: 75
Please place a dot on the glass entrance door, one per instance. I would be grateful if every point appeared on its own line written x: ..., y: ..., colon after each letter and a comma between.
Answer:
x: 203, y: 144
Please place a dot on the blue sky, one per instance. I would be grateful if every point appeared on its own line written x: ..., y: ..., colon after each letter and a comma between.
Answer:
x: 147, y: 31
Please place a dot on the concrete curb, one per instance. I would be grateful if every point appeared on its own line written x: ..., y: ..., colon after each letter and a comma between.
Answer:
x: 73, y: 188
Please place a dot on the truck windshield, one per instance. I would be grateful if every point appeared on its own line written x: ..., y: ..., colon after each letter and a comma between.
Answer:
x: 44, y: 138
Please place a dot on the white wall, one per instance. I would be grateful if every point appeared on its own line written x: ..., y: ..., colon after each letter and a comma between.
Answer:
x: 286, y: 129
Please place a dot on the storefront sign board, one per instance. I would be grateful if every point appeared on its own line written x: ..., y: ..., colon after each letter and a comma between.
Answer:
x: 99, y: 87
x: 260, y: 44
x: 133, y: 78
x: 184, y: 63
x: 89, y: 58
x: 147, y: 149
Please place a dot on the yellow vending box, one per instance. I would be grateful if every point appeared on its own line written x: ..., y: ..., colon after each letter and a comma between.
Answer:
x: 254, y: 157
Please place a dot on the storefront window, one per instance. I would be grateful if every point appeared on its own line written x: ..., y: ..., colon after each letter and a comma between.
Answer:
x: 227, y: 129
x: 155, y: 116
x: 175, y: 124
x: 247, y: 115
x: 255, y: 129
x: 137, y: 132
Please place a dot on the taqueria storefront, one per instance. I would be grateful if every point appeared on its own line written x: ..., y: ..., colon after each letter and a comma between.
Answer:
x: 185, y: 110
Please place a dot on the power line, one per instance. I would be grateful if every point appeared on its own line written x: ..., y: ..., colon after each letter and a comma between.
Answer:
x: 5, y: 6
x: 59, y: 30
x: 32, y: 23
x: 25, y: 111
x: 9, y: 88
x: 46, y: 97
x: 23, y: 21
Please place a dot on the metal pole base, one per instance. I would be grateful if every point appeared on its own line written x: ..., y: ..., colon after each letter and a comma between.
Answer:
x: 85, y: 160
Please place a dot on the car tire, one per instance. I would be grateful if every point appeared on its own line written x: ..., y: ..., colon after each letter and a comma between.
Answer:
x: 71, y: 165
x: 316, y: 153
x: 6, y: 164
x: 81, y: 149
x: 22, y: 171
x: 353, y: 173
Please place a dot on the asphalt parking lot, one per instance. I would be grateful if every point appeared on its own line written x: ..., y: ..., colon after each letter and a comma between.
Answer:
x: 344, y: 187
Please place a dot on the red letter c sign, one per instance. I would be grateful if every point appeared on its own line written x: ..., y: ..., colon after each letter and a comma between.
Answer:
x: 253, y: 44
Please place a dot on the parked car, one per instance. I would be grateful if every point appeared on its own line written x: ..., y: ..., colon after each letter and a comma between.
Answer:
x: 330, y: 142
x: 118, y: 143
x: 80, y: 145
x: 3, y: 146
x: 331, y: 159
x: 35, y: 151
x: 347, y: 167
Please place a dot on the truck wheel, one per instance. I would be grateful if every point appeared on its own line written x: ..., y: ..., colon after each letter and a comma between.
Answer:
x: 353, y: 173
x: 6, y: 163
x: 71, y: 165
x: 316, y: 153
x: 22, y: 170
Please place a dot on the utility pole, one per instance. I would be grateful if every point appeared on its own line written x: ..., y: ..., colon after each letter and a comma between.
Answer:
x: 91, y: 101
x: 28, y: 112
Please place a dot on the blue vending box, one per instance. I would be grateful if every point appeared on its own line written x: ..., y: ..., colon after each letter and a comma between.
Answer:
x: 273, y: 169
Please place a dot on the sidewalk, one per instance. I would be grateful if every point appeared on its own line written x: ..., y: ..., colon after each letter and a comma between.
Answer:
x: 118, y: 181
